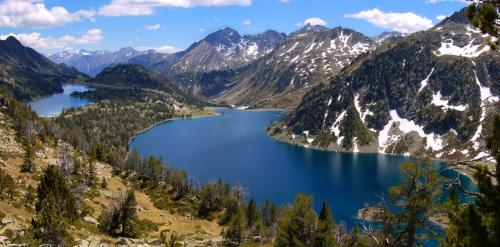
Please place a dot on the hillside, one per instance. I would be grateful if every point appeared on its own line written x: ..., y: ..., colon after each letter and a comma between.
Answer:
x: 432, y: 92
x: 136, y: 76
x: 28, y: 74
x: 19, y: 208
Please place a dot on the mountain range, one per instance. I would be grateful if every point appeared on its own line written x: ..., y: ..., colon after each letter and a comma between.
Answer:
x: 429, y: 93
x: 93, y: 62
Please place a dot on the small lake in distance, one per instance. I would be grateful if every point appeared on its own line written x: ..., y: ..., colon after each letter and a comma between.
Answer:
x: 54, y: 104
x: 234, y: 146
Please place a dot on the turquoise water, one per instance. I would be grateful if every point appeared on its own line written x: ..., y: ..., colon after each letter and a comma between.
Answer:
x: 53, y: 105
x: 235, y: 147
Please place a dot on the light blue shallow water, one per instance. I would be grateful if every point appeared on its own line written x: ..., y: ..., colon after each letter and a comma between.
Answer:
x: 53, y: 105
x: 235, y: 147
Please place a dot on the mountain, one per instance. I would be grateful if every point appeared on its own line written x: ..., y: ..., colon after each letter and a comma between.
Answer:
x: 136, y: 76
x: 387, y: 36
x: 310, y: 56
x: 429, y: 93
x: 221, y: 50
x: 93, y: 62
x: 28, y: 74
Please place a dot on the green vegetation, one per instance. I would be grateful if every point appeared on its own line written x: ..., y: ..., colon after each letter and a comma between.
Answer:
x: 485, y: 17
x: 478, y: 223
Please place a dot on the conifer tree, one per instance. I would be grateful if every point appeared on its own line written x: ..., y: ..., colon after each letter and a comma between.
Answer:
x: 478, y: 223
x: 326, y: 227
x: 52, y: 184
x: 297, y: 225
x: 29, y: 159
x: 416, y: 200
x: 252, y: 213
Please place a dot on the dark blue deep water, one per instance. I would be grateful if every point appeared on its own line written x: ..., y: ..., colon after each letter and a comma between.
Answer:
x: 235, y: 147
x: 53, y: 105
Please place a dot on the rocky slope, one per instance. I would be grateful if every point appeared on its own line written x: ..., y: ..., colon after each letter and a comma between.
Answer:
x: 222, y: 50
x: 16, y: 213
x: 310, y: 56
x: 432, y: 92
x: 93, y: 62
x: 28, y: 74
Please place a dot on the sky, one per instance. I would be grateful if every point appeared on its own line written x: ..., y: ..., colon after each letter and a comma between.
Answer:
x: 172, y: 25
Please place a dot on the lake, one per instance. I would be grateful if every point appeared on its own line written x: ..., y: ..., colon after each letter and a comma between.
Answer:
x: 54, y: 104
x: 234, y: 146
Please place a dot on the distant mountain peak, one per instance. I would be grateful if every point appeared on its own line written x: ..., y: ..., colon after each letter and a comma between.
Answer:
x: 223, y: 36
x: 12, y: 41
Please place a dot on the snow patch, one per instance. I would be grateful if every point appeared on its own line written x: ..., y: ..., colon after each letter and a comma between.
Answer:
x: 449, y: 48
x: 437, y: 100
x: 426, y: 81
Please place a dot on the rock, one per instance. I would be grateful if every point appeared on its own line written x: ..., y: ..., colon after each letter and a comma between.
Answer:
x: 124, y: 242
x: 8, y: 220
x: 153, y: 241
x: 4, y: 241
x: 90, y: 220
x: 84, y: 243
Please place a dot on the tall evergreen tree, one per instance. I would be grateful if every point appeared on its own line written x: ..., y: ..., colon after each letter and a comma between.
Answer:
x: 416, y: 200
x: 297, y: 224
x: 325, y: 228
x: 52, y: 184
x: 252, y: 213
x: 478, y: 223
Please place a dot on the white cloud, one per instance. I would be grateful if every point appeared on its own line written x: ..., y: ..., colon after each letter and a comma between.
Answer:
x: 153, y: 27
x: 247, y: 23
x: 37, y: 41
x: 315, y: 21
x: 34, y: 14
x: 441, y: 17
x: 162, y: 49
x: 147, y: 7
x: 283, y: 1
x: 402, y: 22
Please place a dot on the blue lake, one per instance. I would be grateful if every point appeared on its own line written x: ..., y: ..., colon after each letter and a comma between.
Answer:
x: 53, y: 105
x: 235, y: 147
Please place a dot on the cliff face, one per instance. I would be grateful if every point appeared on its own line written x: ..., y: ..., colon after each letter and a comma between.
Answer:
x: 430, y: 92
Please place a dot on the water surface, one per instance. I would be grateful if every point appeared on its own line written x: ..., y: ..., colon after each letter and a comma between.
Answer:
x: 54, y: 104
x: 235, y: 147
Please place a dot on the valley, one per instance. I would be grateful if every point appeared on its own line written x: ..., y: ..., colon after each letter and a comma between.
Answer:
x: 323, y: 136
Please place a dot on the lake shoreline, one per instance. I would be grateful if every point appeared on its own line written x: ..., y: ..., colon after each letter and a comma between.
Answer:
x: 214, y: 113
x: 465, y: 171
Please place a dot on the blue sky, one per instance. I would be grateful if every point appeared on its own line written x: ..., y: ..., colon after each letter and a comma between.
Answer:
x: 170, y: 25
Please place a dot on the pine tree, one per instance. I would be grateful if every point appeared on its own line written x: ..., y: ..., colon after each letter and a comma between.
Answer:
x: 478, y: 224
x: 235, y: 233
x: 416, y: 200
x: 29, y: 159
x: 52, y: 184
x: 269, y: 213
x: 325, y: 229
x: 296, y: 226
x: 252, y: 213
x: 49, y: 226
